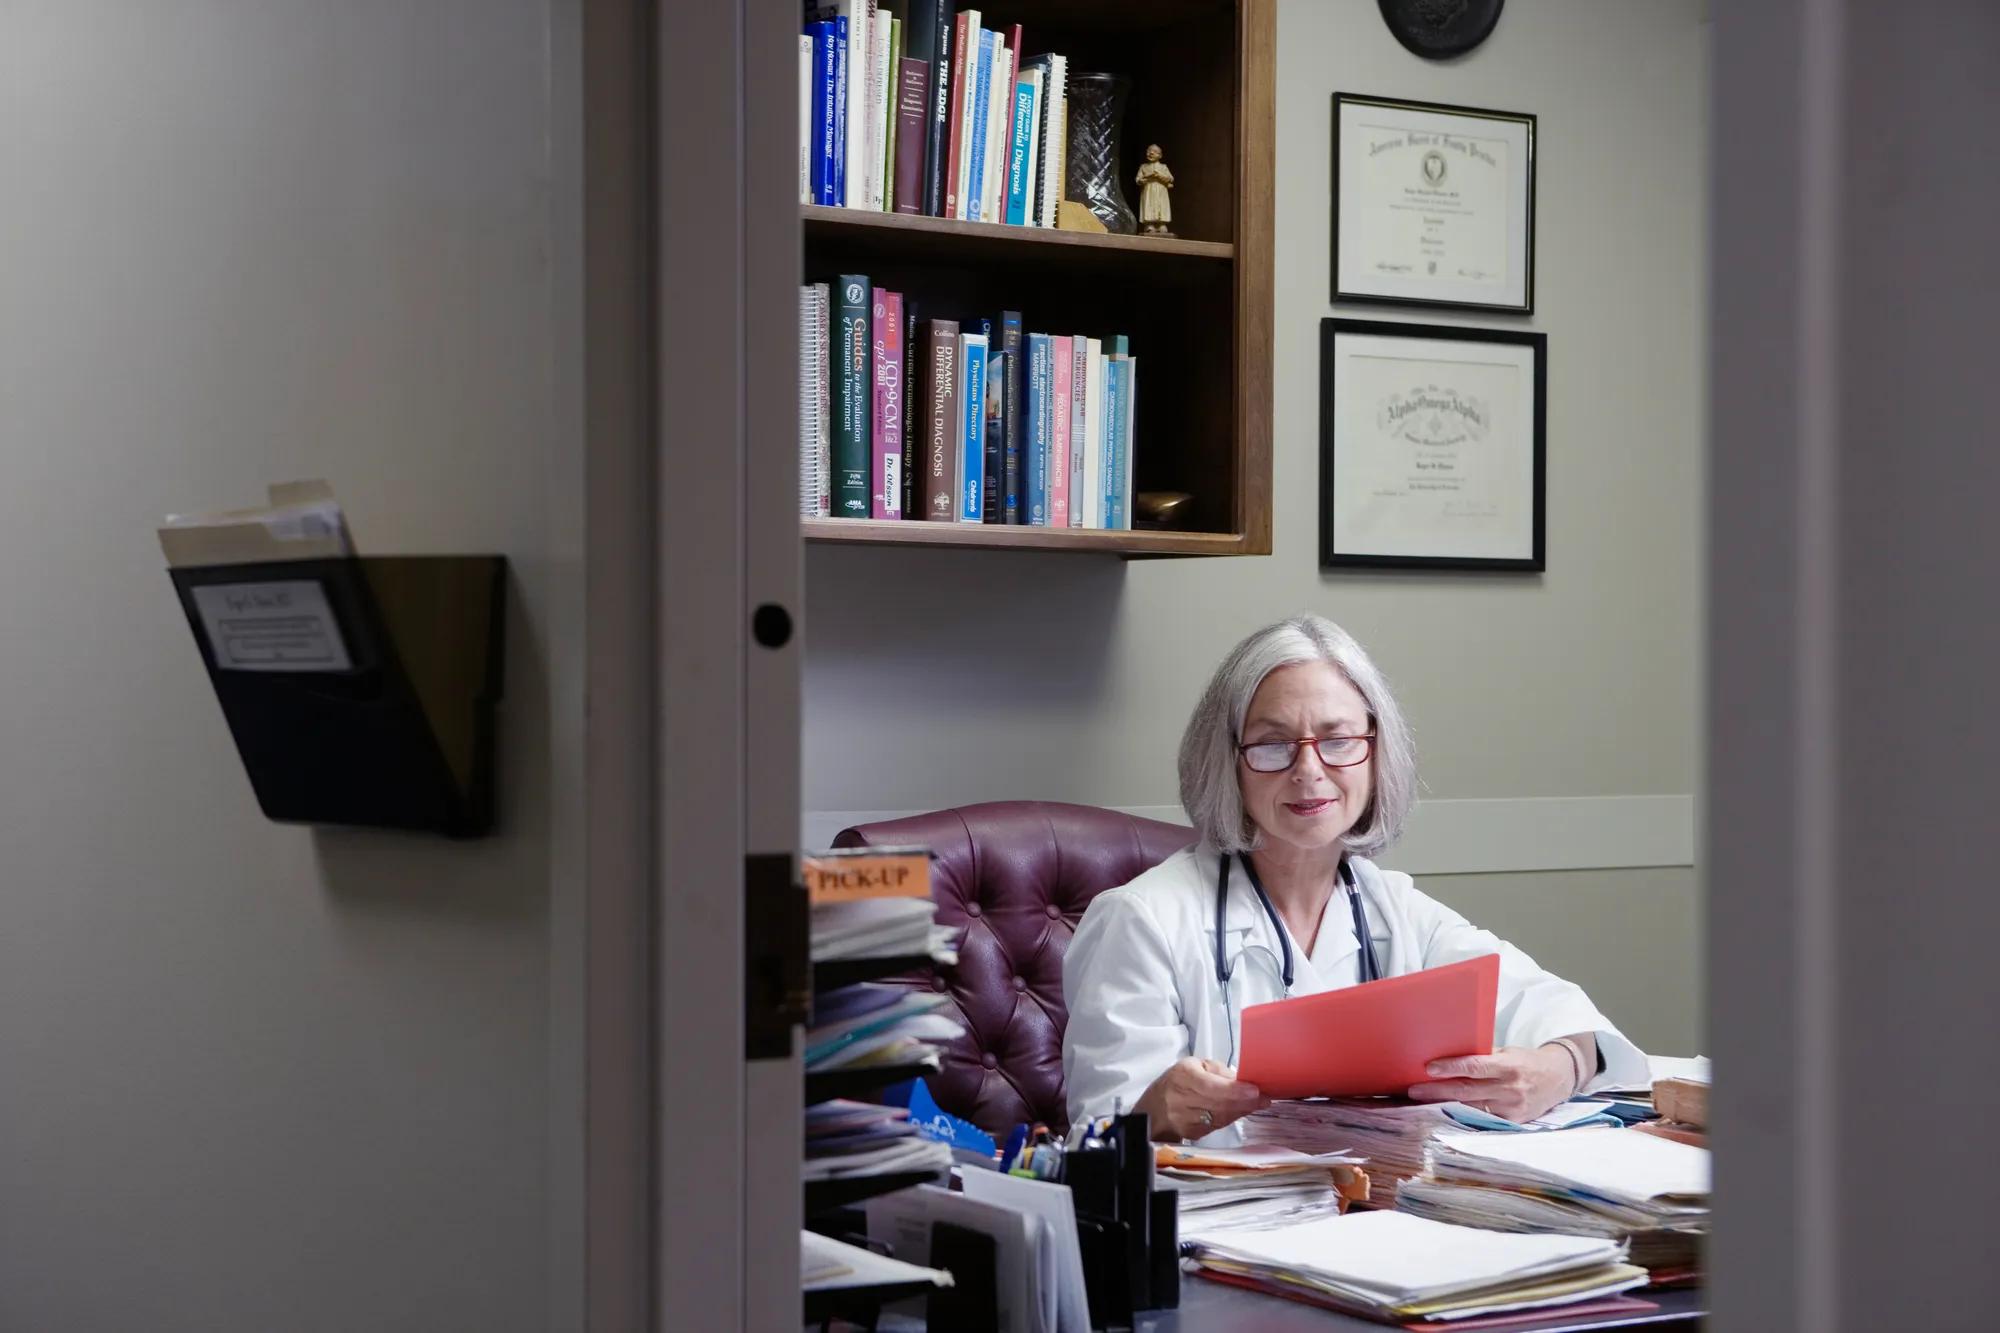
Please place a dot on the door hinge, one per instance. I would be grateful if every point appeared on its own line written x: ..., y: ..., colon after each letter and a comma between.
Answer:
x: 777, y: 967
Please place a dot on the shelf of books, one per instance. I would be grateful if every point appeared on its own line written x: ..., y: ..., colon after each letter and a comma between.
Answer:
x: 994, y: 350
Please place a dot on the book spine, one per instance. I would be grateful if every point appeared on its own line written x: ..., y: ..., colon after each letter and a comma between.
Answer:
x: 1035, y: 431
x: 945, y: 424
x: 1013, y: 501
x: 972, y: 452
x: 886, y: 481
x: 1017, y: 153
x: 1060, y: 362
x: 851, y: 400
x: 999, y: 129
x: 964, y: 28
x: 1079, y: 391
x: 1127, y: 463
x: 827, y: 58
x: 840, y: 82
x: 912, y: 100
x: 880, y: 35
x: 892, y: 121
x: 1031, y: 186
x: 808, y: 400
x: 1114, y: 411
x: 823, y: 448
x: 1055, y: 141
x: 982, y: 135
x: 860, y: 60
x: 805, y: 117
x: 972, y: 428
x: 916, y: 422
x: 994, y: 439
x: 938, y: 13
x: 1093, y: 450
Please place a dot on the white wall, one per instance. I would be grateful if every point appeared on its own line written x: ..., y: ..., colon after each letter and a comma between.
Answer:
x: 251, y: 1076
x: 936, y: 678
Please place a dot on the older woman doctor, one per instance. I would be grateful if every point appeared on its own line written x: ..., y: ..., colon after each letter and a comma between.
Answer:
x: 1295, y: 768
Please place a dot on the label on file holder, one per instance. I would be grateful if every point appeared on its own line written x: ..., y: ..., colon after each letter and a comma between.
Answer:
x: 283, y: 626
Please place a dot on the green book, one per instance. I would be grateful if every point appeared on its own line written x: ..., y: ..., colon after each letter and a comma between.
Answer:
x: 891, y: 77
x: 853, y: 397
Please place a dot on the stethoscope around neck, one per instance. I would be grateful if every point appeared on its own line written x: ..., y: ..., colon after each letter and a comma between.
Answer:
x: 1371, y: 969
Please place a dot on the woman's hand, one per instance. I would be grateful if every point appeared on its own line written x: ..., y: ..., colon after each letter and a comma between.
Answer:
x: 1197, y: 1097
x: 1513, y: 1082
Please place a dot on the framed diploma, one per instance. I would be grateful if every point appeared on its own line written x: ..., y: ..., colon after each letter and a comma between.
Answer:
x: 1433, y: 205
x: 1431, y: 446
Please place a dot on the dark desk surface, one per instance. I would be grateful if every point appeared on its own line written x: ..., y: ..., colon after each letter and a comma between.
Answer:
x: 1207, y: 1305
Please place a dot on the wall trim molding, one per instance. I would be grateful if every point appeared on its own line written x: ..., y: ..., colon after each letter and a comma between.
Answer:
x: 1471, y: 837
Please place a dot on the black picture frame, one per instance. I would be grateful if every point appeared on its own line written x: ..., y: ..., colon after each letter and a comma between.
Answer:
x: 1330, y: 557
x: 1527, y: 119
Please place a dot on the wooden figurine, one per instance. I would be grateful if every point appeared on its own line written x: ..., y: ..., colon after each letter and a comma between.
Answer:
x: 1154, y: 180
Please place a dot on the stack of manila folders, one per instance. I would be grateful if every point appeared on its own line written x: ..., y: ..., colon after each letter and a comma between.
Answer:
x: 1615, y: 1184
x: 1399, y: 1268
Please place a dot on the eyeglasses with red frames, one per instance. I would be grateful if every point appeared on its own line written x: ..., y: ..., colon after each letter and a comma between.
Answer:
x: 1333, y: 751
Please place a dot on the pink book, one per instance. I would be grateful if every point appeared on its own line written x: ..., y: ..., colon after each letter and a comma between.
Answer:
x: 1059, y: 352
x: 885, y: 482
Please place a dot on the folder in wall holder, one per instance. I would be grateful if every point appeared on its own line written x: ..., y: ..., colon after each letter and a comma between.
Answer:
x: 360, y: 690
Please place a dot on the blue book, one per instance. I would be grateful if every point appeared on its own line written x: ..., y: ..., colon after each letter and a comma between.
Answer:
x: 982, y: 84
x: 1040, y: 406
x: 1121, y: 448
x: 1023, y: 137
x: 1107, y: 442
x: 973, y: 439
x: 840, y: 68
x: 825, y: 60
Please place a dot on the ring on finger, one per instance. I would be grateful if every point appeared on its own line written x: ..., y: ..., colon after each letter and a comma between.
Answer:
x: 1206, y: 1116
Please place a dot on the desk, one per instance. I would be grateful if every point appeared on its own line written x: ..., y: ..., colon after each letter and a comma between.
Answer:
x: 1216, y: 1306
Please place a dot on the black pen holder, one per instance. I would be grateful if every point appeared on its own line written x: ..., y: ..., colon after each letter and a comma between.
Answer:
x: 360, y: 690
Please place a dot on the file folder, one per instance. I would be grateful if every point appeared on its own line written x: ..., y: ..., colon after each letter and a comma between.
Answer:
x: 1373, y: 1039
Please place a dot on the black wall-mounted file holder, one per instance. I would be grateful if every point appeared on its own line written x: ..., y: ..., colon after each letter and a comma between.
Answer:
x: 360, y: 690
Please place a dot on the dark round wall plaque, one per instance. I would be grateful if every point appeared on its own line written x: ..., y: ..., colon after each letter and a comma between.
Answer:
x: 1437, y: 29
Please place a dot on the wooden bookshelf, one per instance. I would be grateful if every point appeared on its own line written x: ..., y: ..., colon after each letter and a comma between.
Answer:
x: 1196, y: 307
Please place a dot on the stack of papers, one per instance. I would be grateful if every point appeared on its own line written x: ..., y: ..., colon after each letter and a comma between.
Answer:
x: 826, y: 1264
x: 1611, y: 1183
x: 1397, y: 1267
x: 845, y: 1138
x: 1388, y: 1134
x: 869, y: 1024
x: 880, y: 928
x: 1225, y: 1188
x: 1037, y: 1259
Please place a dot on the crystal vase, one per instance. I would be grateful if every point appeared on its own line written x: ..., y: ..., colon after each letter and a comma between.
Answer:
x: 1096, y: 124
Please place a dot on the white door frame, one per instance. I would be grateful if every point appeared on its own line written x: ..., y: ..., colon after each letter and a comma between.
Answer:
x: 691, y: 241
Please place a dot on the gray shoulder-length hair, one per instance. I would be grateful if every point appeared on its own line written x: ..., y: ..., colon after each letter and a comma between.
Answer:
x: 1209, y: 787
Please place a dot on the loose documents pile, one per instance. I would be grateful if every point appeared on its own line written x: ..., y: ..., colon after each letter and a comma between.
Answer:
x: 1612, y: 1183
x: 1399, y: 1268
x: 876, y: 1024
x: 1224, y: 1188
x: 845, y: 1138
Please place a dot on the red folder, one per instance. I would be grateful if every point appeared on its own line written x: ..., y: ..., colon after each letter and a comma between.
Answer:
x: 1373, y: 1039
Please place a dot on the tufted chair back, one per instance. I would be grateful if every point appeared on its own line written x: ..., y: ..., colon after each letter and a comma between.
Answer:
x: 1016, y: 875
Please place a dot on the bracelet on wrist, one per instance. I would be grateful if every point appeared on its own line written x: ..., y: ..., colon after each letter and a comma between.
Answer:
x: 1575, y: 1063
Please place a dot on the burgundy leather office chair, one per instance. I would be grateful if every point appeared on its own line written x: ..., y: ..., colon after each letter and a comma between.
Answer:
x: 1015, y: 875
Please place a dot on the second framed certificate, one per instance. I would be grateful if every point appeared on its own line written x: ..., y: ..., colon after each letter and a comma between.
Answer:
x: 1431, y: 446
x: 1433, y: 205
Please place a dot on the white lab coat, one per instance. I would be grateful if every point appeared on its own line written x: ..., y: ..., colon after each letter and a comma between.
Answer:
x: 1139, y: 978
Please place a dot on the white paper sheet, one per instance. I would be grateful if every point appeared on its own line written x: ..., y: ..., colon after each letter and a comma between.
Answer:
x: 1052, y: 1204
x: 1615, y: 1163
x: 826, y: 1264
x: 903, y: 1220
